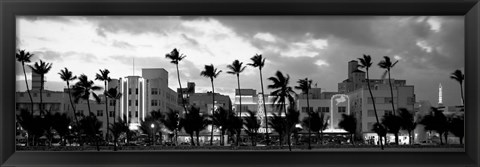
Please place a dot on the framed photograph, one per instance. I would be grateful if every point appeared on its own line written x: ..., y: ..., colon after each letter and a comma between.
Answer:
x: 239, y: 83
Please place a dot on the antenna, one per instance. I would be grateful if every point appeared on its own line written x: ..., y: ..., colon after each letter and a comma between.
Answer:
x: 133, y: 70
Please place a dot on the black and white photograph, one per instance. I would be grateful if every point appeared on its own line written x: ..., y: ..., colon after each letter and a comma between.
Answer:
x: 240, y: 83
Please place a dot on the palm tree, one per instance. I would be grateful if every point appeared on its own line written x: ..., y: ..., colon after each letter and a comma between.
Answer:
x: 211, y: 72
x: 193, y: 122
x: 366, y: 62
x: 171, y: 122
x: 146, y: 127
x: 103, y: 76
x: 435, y: 121
x: 258, y: 61
x: 317, y: 123
x: 349, y: 124
x: 305, y: 85
x: 60, y: 123
x: 91, y: 128
x: 30, y: 123
x: 456, y: 126
x: 279, y: 124
x: 24, y: 57
x: 235, y: 127
x: 221, y: 120
x: 393, y: 123
x: 408, y: 122
x: 381, y: 131
x: 67, y: 76
x: 252, y: 124
x: 175, y: 58
x: 459, y: 77
x: 388, y: 65
x: 235, y: 69
x: 41, y: 68
x: 292, y: 121
x: 282, y: 94
x: 117, y: 128
x: 115, y: 95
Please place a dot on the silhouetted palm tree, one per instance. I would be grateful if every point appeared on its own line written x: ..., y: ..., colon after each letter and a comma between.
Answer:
x: 235, y: 127
x: 279, y: 124
x: 292, y: 121
x: 114, y: 94
x: 60, y: 123
x: 251, y: 124
x: 171, y: 122
x: 282, y: 93
x: 456, y: 126
x: 366, y: 62
x: 408, y: 122
x: 117, y: 129
x: 67, y: 76
x: 305, y: 85
x: 24, y: 57
x: 211, y: 72
x: 175, y: 58
x: 393, y: 123
x: 41, y: 68
x: 146, y: 127
x: 258, y: 61
x: 31, y: 124
x: 381, y: 132
x: 388, y: 65
x: 459, y: 77
x: 435, y: 121
x: 84, y: 89
x: 220, y: 119
x: 90, y: 126
x: 317, y: 123
x: 193, y: 122
x: 349, y: 124
x: 103, y: 76
x: 235, y: 69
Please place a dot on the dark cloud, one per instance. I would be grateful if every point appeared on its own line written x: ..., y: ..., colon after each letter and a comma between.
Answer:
x: 49, y: 55
x: 122, y: 44
x: 191, y: 40
x: 133, y: 24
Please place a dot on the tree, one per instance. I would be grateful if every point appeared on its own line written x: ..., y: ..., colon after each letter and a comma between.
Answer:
x: 366, y: 62
x: 317, y: 123
x: 114, y: 94
x: 117, y: 129
x: 279, y: 124
x: 235, y: 69
x: 408, y: 123
x: 292, y: 121
x: 31, y: 124
x: 457, y: 127
x: 41, y: 68
x: 211, y: 72
x: 251, y: 124
x: 221, y: 119
x: 175, y: 58
x: 388, y: 65
x: 171, y: 122
x: 235, y: 127
x: 459, y: 77
x: 60, y: 123
x: 24, y: 57
x: 67, y: 76
x: 381, y: 132
x: 103, y: 76
x: 282, y: 93
x: 90, y: 126
x: 393, y: 123
x: 193, y: 122
x: 305, y: 85
x: 259, y: 61
x: 435, y: 121
x: 349, y: 124
x: 146, y: 127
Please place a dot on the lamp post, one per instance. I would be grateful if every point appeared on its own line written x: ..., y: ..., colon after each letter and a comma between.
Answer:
x: 153, y: 134
x: 70, y: 132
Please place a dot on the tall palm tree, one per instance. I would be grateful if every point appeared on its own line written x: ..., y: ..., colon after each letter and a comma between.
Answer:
x: 235, y: 69
x: 252, y: 124
x: 317, y: 123
x: 292, y: 121
x: 459, y: 77
x: 115, y: 95
x: 211, y: 72
x: 282, y: 93
x: 175, y: 58
x: 279, y: 124
x: 408, y: 123
x: 366, y: 62
x: 305, y: 85
x: 221, y: 120
x: 349, y: 124
x: 388, y: 65
x: 171, y: 122
x: 103, y: 76
x: 259, y: 61
x: 393, y: 123
x: 67, y: 76
x: 24, y: 57
x: 41, y: 68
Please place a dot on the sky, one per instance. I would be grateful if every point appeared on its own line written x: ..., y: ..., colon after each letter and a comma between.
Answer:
x: 428, y: 48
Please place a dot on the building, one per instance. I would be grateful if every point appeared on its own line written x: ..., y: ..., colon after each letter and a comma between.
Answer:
x: 186, y: 92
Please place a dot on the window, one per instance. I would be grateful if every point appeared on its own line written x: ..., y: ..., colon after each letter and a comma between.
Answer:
x: 388, y: 112
x: 371, y: 113
x: 99, y: 113
x: 410, y: 100
x: 136, y: 113
x: 34, y: 94
x: 136, y: 102
x: 129, y: 102
x: 129, y: 91
x: 136, y: 91
x: 154, y: 103
x: 342, y: 109
x: 110, y: 113
x: 324, y: 109
x: 129, y: 114
x: 154, y: 91
x: 112, y: 102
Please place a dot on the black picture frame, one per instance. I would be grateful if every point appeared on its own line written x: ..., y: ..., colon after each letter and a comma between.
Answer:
x: 470, y: 9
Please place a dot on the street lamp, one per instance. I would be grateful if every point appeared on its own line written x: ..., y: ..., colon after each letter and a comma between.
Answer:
x: 153, y: 135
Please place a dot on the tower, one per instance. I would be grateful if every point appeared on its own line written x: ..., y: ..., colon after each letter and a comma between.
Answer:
x: 440, y: 98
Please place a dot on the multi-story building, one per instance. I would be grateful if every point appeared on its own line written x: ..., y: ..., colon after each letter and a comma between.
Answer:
x: 186, y: 92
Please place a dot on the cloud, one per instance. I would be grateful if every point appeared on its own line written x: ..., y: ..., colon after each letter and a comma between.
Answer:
x: 122, y: 44
x: 265, y: 37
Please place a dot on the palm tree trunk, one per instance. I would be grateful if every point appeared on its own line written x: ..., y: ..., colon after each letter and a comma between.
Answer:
x: 351, y: 138
x: 461, y: 93
x: 309, y: 122
x: 264, y: 109
x: 240, y: 98
x: 396, y: 138
x: 107, y: 137
x: 41, y: 97
x: 391, y: 92
x: 213, y: 110
x: 191, y: 136
x: 28, y: 90
x: 93, y: 129
x: 288, y: 128
x: 116, y: 138
x: 181, y: 90
x: 198, y: 141
x: 71, y: 102
x: 461, y: 140
x: 373, y: 102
